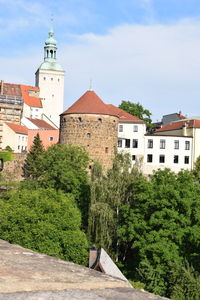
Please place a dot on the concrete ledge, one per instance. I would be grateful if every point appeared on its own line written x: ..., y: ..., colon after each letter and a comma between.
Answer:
x: 27, y: 275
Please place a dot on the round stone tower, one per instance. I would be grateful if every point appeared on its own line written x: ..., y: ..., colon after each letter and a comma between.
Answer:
x: 90, y: 123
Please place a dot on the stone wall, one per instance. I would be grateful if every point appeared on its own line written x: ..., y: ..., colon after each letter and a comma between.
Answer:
x: 96, y: 133
x: 15, y: 166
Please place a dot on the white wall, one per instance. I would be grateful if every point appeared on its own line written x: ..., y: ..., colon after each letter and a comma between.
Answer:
x: 129, y: 133
x: 18, y: 142
x: 169, y: 152
x: 51, y: 85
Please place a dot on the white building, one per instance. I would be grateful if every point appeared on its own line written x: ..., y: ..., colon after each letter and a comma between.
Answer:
x: 131, y: 134
x: 16, y: 137
x: 50, y: 79
x: 162, y: 151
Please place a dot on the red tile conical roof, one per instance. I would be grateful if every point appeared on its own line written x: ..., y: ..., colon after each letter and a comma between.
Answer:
x: 89, y: 103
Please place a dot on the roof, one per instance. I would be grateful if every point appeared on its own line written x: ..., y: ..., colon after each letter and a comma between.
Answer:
x: 51, y: 65
x: 10, y: 89
x: 89, y: 103
x: 123, y: 115
x: 30, y: 100
x: 41, y: 124
x: 179, y: 125
x: 17, y: 128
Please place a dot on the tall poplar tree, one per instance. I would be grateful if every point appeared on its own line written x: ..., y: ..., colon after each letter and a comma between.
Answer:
x: 31, y: 169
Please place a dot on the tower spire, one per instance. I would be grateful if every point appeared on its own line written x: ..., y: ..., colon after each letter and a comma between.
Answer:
x: 50, y: 47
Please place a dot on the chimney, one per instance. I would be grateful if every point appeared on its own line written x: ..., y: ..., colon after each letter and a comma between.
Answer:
x: 184, y: 128
x: 2, y: 83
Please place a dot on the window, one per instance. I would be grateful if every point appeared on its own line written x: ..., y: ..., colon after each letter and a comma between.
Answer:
x: 176, y: 144
x: 51, y: 138
x: 19, y: 137
x: 150, y: 144
x: 162, y: 144
x: 135, y: 143
x: 51, y: 79
x: 161, y: 159
x: 120, y: 143
x: 175, y: 159
x: 80, y: 119
x: 120, y: 128
x: 186, y: 160
x: 44, y: 78
x: 58, y: 79
x: 88, y: 135
x: 18, y: 147
x: 135, y: 128
x: 52, y: 95
x: 133, y: 157
x: 106, y: 150
x: 187, y: 145
x: 127, y: 143
x: 23, y: 138
x: 149, y: 158
x: 99, y: 120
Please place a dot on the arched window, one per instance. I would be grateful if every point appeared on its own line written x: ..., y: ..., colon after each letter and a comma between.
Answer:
x: 47, y: 53
x: 51, y: 51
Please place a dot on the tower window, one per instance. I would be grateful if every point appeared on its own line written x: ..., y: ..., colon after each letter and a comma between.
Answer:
x: 106, y: 150
x: 51, y: 51
x: 80, y: 119
x: 88, y: 135
x: 100, y: 120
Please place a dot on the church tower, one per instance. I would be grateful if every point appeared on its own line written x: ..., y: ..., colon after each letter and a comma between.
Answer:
x: 50, y: 79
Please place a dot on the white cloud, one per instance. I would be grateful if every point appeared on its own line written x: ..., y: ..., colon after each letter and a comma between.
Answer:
x: 157, y: 65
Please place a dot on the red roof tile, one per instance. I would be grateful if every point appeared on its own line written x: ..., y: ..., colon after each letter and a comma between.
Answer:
x: 89, y: 103
x: 17, y: 128
x: 41, y: 124
x: 10, y: 89
x: 123, y: 115
x: 30, y: 100
x: 180, y: 125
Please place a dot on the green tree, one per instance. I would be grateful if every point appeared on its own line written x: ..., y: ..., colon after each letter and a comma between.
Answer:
x: 31, y: 169
x: 158, y: 228
x: 108, y: 194
x: 45, y: 221
x: 187, y: 283
x: 137, y: 110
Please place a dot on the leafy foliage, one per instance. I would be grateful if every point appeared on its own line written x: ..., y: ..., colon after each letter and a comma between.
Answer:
x: 137, y: 110
x: 32, y: 163
x: 157, y: 227
x: 44, y: 220
x: 6, y: 156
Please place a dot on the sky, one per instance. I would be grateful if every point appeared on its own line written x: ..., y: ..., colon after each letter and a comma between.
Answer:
x: 145, y: 51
